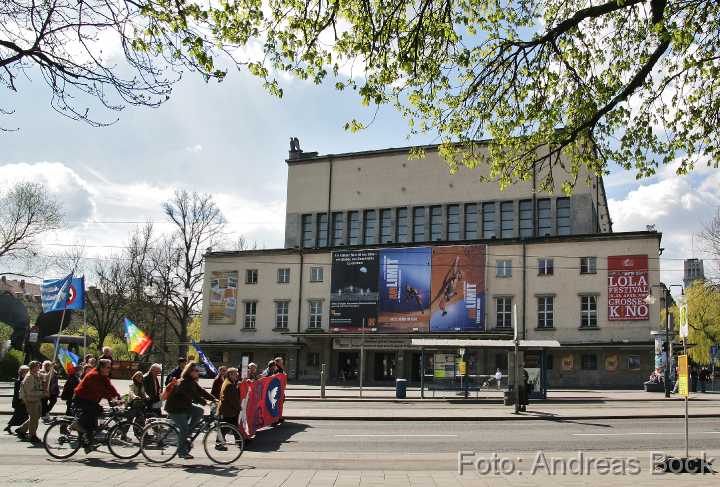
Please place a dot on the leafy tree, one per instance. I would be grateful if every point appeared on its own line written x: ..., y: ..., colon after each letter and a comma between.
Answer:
x: 559, y: 85
x: 627, y: 81
x: 703, y: 300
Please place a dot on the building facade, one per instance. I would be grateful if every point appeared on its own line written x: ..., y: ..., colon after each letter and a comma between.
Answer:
x: 549, y: 263
x: 693, y: 270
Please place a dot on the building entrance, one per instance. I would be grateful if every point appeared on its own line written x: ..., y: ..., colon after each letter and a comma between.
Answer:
x: 385, y: 366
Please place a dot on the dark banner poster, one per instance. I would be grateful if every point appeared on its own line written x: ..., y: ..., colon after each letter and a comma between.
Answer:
x: 628, y: 287
x: 354, y: 289
x: 404, y: 289
x: 458, y: 288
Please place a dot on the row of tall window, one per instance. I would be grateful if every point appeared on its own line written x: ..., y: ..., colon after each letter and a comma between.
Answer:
x: 282, y: 314
x: 545, y: 266
x: 283, y: 275
x: 545, y: 311
x: 391, y: 225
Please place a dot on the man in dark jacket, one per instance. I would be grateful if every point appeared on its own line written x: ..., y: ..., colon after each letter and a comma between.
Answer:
x: 177, y: 371
x: 182, y: 407
x: 153, y: 389
x: 20, y: 414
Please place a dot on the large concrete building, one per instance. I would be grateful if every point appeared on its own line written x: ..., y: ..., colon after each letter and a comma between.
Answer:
x: 549, y: 261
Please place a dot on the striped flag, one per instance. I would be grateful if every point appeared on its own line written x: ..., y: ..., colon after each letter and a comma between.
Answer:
x: 138, y: 342
x: 68, y: 360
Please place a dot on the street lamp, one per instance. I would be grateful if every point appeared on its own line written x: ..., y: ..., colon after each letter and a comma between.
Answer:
x: 650, y: 299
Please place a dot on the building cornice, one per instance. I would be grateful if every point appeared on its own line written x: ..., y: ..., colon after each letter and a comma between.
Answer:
x: 595, y: 237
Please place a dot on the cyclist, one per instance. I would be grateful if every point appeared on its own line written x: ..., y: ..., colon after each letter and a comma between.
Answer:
x: 93, y: 388
x: 182, y: 407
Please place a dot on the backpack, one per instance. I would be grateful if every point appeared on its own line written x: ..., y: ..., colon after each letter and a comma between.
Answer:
x: 169, y: 389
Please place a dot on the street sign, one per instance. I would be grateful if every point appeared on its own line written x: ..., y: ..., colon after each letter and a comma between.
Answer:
x: 683, y: 389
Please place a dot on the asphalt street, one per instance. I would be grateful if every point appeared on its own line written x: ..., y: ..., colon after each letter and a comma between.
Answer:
x: 365, y: 445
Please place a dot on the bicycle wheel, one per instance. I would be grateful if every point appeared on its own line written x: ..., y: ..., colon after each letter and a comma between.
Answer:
x: 60, y: 441
x: 223, y: 443
x: 123, y: 441
x: 159, y: 441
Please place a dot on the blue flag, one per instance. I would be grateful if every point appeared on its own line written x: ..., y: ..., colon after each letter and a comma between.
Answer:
x: 65, y: 293
x: 204, y: 358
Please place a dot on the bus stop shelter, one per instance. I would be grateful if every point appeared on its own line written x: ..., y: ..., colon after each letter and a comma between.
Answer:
x: 460, y: 346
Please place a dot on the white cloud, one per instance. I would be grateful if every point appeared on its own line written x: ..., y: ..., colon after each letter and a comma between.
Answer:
x: 194, y: 149
x: 678, y: 206
x: 100, y: 212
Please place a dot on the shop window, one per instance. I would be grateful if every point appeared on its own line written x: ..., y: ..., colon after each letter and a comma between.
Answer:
x: 313, y: 359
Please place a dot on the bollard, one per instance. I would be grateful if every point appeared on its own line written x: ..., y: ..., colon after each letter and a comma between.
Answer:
x: 323, y: 378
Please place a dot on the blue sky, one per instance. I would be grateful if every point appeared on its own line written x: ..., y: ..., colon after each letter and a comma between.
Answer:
x: 231, y: 139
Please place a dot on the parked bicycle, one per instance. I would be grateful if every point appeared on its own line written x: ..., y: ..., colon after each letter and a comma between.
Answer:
x: 116, y: 430
x: 223, y: 442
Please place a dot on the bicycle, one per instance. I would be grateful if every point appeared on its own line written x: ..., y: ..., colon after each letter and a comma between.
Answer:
x: 62, y: 441
x: 223, y: 442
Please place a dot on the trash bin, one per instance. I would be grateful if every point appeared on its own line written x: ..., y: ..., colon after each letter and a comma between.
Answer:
x: 400, y: 388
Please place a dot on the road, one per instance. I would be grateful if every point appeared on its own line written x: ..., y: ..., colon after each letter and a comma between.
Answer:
x: 287, y: 454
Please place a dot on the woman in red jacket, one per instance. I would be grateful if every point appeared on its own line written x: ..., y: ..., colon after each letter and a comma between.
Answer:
x: 93, y: 388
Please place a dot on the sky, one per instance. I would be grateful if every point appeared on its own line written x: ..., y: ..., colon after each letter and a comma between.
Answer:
x: 231, y: 140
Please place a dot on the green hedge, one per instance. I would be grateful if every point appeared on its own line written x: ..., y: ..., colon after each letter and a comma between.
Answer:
x: 10, y: 364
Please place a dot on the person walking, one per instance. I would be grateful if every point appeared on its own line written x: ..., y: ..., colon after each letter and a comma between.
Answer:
x: 252, y: 373
x: 52, y: 389
x: 20, y: 414
x: 229, y: 405
x: 279, y: 365
x: 68, y: 392
x: 153, y: 389
x: 93, y: 388
x: 177, y: 371
x: 32, y: 393
x: 498, y: 378
x: 182, y: 407
x: 218, y: 382
x: 137, y: 401
x: 271, y: 369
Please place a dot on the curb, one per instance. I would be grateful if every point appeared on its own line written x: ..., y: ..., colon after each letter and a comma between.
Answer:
x: 498, y: 418
x: 460, y: 400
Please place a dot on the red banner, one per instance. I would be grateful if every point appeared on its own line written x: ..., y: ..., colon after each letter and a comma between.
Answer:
x: 628, y: 287
x: 262, y: 402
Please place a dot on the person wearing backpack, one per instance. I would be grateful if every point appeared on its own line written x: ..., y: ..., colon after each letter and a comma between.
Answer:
x: 183, y: 397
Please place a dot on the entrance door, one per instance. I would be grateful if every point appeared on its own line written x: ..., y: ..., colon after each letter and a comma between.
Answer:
x: 348, y: 366
x: 415, y: 367
x: 385, y: 364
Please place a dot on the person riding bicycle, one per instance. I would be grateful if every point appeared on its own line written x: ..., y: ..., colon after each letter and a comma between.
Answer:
x: 93, y: 388
x: 182, y: 407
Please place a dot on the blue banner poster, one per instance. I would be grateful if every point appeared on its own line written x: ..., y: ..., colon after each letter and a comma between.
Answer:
x: 404, y: 286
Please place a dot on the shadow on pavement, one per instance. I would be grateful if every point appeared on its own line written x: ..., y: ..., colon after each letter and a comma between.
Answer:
x: 554, y: 417
x: 218, y: 470
x: 111, y: 464
x: 271, y: 439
